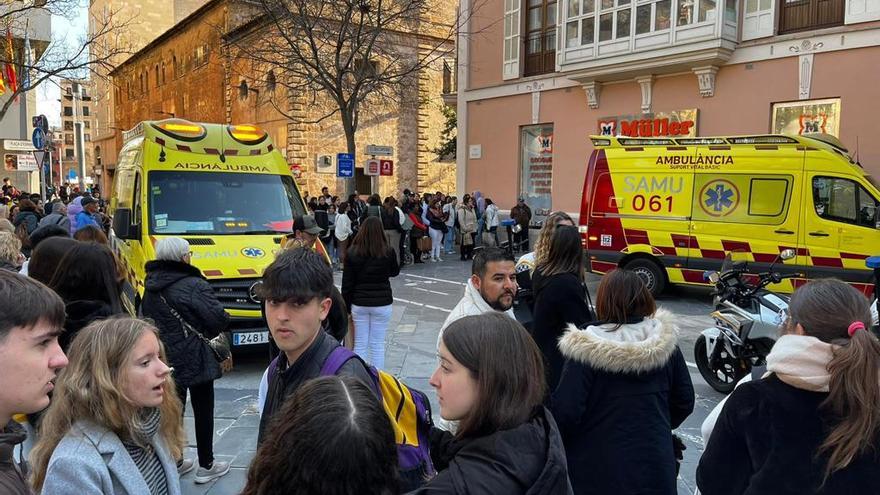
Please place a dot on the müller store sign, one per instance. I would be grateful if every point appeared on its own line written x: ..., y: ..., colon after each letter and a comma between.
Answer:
x: 678, y: 123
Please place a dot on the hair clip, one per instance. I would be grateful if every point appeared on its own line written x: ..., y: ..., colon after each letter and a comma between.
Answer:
x: 854, y: 327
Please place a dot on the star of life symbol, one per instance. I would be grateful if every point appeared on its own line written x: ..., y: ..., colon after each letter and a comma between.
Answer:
x: 720, y: 198
x: 253, y: 252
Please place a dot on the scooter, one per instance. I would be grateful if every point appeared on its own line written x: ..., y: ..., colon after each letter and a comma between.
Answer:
x: 747, y: 319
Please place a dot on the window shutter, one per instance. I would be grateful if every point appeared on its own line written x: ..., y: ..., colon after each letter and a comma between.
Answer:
x: 758, y: 19
x: 862, y: 11
x: 511, y: 39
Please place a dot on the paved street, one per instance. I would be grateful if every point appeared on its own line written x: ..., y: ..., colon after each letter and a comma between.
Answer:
x: 424, y: 294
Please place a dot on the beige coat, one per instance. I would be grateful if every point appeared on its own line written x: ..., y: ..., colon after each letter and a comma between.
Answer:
x: 467, y: 221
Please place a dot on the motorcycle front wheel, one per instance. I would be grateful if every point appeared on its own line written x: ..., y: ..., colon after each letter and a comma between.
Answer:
x: 725, y: 376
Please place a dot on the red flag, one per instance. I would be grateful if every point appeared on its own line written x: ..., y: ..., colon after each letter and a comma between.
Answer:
x: 9, y: 69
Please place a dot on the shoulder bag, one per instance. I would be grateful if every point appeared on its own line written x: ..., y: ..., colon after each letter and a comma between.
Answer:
x: 218, y: 347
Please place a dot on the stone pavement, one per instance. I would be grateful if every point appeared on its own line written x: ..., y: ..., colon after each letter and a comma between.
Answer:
x: 423, y: 294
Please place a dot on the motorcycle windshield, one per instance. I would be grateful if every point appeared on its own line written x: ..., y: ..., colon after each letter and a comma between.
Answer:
x: 732, y: 261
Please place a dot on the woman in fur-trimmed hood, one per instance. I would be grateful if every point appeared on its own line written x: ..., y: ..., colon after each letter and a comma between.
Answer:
x: 624, y: 387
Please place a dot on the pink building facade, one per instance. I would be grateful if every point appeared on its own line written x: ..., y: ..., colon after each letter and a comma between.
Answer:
x: 537, y: 77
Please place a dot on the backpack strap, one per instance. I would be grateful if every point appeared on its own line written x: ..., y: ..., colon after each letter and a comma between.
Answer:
x: 336, y: 360
x: 273, y: 369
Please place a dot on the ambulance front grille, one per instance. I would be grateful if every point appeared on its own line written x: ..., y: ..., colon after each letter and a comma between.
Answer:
x: 236, y: 293
x: 199, y: 241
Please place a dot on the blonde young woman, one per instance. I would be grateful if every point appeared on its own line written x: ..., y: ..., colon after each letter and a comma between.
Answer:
x: 114, y: 423
x: 528, y: 261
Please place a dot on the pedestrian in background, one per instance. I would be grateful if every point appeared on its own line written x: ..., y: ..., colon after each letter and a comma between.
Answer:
x: 114, y: 424
x: 480, y: 203
x: 491, y: 380
x: 88, y: 279
x: 810, y: 425
x: 624, y: 387
x: 303, y: 454
x: 57, y: 217
x: 27, y: 215
x: 88, y: 215
x: 73, y: 209
x: 47, y: 256
x: 10, y: 252
x: 418, y: 231
x: 492, y: 220
x: 467, y: 221
x: 449, y: 213
x: 342, y: 231
x: 527, y: 261
x: 436, y: 229
x: 522, y: 214
x: 179, y: 299
x: 560, y: 297
x: 366, y: 287
x: 391, y: 225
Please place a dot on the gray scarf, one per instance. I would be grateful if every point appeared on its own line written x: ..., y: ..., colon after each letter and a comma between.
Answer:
x: 144, y: 455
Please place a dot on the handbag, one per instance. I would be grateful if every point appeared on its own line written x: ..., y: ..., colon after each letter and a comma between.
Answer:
x: 219, y: 345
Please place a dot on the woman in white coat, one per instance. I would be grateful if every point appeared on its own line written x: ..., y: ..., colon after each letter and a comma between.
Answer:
x: 113, y: 427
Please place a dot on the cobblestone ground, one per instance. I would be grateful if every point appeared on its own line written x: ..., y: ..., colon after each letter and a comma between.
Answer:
x: 423, y: 294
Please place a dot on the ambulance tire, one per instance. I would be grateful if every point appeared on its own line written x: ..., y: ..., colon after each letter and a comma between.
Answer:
x: 653, y: 274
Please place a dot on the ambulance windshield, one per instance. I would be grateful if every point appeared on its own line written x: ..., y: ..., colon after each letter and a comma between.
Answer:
x: 221, y: 203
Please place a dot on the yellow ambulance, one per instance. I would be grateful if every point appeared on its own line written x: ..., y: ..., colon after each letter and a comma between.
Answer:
x: 671, y: 208
x: 223, y: 188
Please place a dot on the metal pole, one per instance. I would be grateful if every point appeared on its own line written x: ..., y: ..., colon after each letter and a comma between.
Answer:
x: 78, y: 147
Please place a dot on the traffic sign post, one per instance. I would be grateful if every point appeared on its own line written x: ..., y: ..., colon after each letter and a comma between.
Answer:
x: 345, y: 165
x: 40, y: 157
x: 371, y: 167
x: 376, y: 150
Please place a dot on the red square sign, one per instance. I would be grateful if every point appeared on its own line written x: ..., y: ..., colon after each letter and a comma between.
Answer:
x: 386, y: 167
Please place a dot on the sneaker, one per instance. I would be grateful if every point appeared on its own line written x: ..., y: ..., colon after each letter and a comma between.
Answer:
x: 439, y: 258
x: 185, y: 466
x: 433, y: 259
x: 217, y: 470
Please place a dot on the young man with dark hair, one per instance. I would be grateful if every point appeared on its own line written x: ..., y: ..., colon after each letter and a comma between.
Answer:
x: 297, y: 290
x: 31, y: 319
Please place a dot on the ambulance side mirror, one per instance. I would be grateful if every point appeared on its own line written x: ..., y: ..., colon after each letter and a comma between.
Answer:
x: 122, y: 226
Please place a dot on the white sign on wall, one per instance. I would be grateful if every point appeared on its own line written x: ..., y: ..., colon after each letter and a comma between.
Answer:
x: 475, y: 151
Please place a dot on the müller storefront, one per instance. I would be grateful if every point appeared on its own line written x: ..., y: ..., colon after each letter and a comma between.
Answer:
x: 530, y: 136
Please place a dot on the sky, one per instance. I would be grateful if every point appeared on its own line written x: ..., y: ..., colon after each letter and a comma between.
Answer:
x: 72, y: 31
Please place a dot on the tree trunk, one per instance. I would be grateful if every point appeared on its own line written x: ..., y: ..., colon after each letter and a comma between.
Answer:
x: 348, y: 127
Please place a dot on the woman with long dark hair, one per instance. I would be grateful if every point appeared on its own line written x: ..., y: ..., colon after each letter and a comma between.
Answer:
x: 88, y: 279
x: 491, y: 380
x: 391, y: 224
x: 436, y: 228
x: 560, y: 296
x: 811, y: 426
x: 624, y: 387
x: 332, y: 436
x: 47, y: 256
x: 366, y: 288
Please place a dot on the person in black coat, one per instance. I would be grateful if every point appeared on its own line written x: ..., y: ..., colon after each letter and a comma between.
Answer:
x: 624, y: 387
x: 811, y: 425
x: 172, y: 282
x: 560, y: 296
x: 366, y: 288
x: 491, y: 380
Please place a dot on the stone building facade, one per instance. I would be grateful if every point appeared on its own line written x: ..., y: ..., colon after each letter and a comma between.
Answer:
x: 213, y: 81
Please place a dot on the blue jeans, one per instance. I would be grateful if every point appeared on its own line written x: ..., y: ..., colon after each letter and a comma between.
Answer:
x: 479, y: 239
x: 370, y: 326
x: 449, y: 240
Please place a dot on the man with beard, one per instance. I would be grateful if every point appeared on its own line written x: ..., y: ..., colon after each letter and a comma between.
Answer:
x: 492, y: 287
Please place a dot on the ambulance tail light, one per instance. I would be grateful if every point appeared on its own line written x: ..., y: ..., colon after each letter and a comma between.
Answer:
x: 183, y: 130
x: 247, y: 134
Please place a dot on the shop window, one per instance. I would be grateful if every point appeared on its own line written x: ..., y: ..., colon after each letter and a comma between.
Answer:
x: 843, y: 200
x: 536, y: 167
x: 696, y: 11
x: 743, y: 199
x: 540, y: 43
x: 801, y: 15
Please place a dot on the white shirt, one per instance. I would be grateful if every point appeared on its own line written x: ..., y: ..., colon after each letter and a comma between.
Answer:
x: 450, y: 211
x: 492, y: 216
x: 343, y: 226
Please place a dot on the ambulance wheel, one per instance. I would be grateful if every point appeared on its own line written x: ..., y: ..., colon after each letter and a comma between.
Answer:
x: 652, y: 274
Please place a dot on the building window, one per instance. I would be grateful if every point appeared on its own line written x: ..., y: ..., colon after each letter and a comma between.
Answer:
x: 614, y: 19
x: 652, y: 16
x: 581, y: 26
x: 270, y: 81
x: 68, y: 139
x: 68, y: 125
x: 175, y: 71
x: 156, y: 75
x: 802, y: 15
x: 448, y: 77
x: 694, y: 11
x: 87, y: 124
x: 68, y: 111
x: 85, y: 111
x: 200, y: 57
x: 243, y: 90
x: 87, y: 137
x: 540, y: 37
x: 68, y: 154
x: 163, y: 72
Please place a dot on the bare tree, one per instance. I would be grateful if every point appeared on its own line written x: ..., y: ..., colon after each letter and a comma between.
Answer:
x: 350, y: 52
x: 58, y: 58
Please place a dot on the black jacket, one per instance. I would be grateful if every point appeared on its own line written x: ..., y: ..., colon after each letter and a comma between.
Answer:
x: 284, y: 381
x: 620, y: 395
x: 80, y: 314
x: 766, y: 440
x: 526, y: 460
x: 559, y: 300
x: 12, y: 479
x: 190, y: 294
x: 391, y: 221
x: 29, y: 218
x: 366, y: 280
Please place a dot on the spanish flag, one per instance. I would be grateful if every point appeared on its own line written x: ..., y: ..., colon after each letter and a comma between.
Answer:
x: 9, y: 69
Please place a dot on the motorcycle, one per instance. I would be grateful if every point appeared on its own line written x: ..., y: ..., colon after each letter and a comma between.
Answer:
x: 747, y: 319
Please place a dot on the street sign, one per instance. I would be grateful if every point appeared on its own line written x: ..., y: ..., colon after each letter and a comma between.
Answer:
x: 40, y: 157
x: 344, y: 165
x: 26, y: 163
x: 17, y: 145
x: 38, y: 138
x: 371, y: 167
x: 40, y: 122
x: 377, y: 150
x: 386, y: 167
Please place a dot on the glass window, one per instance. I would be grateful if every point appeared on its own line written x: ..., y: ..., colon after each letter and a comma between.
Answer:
x: 867, y: 209
x: 551, y: 13
x: 571, y: 34
x: 623, y: 17
x: 588, y: 30
x: 661, y: 19
x: 767, y: 197
x: 707, y: 10
x: 605, y: 25
x: 589, y: 6
x: 730, y: 8
x: 685, y: 12
x: 536, y: 167
x: 843, y: 200
x: 574, y: 8
x: 230, y: 203
x: 643, y: 19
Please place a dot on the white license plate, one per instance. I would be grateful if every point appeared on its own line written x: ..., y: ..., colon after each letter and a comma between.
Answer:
x: 248, y: 338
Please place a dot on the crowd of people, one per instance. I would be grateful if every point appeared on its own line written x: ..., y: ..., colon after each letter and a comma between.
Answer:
x: 414, y: 219
x: 583, y: 401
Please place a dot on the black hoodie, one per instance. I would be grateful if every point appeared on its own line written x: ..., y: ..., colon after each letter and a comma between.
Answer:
x: 526, y: 460
x: 189, y: 293
x: 80, y: 314
x: 13, y: 480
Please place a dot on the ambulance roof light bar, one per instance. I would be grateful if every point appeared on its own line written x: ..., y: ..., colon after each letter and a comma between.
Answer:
x: 134, y: 132
x: 247, y: 134
x: 762, y: 140
x: 707, y: 141
x: 646, y: 141
x: 180, y: 129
